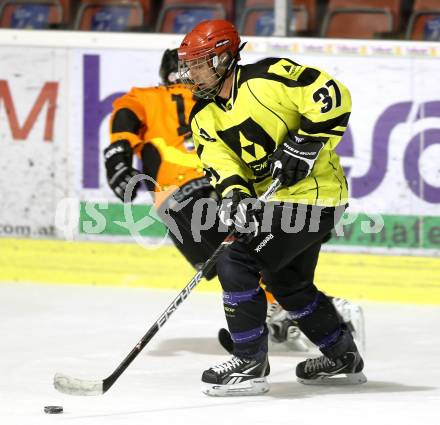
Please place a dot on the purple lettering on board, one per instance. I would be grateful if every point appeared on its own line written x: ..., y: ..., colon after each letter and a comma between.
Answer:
x: 95, y: 110
x: 393, y: 115
x: 429, y: 110
x: 411, y: 170
x: 345, y: 148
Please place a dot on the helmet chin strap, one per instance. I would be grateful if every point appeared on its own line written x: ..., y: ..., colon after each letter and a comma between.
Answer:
x: 220, y: 84
x: 230, y: 68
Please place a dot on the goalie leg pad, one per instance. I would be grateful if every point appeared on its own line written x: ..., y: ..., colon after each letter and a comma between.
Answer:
x: 353, y: 316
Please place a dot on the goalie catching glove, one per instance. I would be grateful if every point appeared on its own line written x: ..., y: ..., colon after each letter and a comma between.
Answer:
x: 293, y: 160
x: 118, y: 159
x: 241, y: 212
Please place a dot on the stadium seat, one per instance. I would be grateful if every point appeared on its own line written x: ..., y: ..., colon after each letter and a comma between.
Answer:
x: 150, y: 11
x: 181, y: 16
x: 31, y: 14
x: 69, y: 9
x: 424, y: 22
x: 258, y: 17
x: 361, y: 19
x: 109, y: 15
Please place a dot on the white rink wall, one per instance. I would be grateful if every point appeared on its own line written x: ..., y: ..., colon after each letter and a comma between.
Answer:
x: 56, y: 90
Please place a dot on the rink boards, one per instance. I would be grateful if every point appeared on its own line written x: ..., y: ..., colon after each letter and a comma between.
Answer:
x: 56, y: 97
x: 406, y: 279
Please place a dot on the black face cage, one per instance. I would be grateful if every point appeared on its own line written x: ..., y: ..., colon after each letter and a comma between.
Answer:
x: 205, y: 74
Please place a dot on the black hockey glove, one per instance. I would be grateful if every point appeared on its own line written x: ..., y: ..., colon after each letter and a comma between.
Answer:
x: 241, y: 212
x: 118, y: 159
x: 293, y: 160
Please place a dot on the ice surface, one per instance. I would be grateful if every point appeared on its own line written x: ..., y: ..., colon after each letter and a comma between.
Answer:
x: 86, y: 331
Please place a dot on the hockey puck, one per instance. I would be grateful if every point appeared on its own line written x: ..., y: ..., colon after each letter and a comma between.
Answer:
x: 53, y: 409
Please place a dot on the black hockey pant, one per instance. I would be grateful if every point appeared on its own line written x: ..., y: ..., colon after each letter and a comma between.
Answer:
x: 285, y: 256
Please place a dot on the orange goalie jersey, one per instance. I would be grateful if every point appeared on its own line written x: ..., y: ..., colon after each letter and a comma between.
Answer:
x: 164, y: 141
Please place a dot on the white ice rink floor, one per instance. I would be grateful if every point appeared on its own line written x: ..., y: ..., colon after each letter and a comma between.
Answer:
x: 87, y: 331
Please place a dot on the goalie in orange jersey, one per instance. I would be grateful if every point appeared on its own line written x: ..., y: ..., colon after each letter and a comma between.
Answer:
x: 152, y: 123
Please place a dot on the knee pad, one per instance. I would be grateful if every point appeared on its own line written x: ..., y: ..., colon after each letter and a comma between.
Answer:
x: 237, y: 270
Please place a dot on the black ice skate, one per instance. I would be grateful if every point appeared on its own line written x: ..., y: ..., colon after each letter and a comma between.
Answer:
x: 237, y: 376
x: 346, y: 369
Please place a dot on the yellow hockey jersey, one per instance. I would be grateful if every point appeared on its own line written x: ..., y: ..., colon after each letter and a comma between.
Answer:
x: 236, y: 138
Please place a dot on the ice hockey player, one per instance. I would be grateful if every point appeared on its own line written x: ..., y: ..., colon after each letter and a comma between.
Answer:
x: 252, y: 124
x: 152, y: 123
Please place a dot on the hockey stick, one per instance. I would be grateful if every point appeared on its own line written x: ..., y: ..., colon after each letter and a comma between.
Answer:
x: 74, y: 386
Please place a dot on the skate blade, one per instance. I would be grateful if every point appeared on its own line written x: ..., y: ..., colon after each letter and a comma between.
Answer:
x: 287, y: 346
x: 250, y: 387
x: 341, y: 379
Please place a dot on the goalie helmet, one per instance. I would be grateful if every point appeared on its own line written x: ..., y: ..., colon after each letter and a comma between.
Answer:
x: 168, y: 70
x: 207, y: 55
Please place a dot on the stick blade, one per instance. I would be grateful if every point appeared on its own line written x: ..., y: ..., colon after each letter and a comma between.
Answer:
x: 73, y: 386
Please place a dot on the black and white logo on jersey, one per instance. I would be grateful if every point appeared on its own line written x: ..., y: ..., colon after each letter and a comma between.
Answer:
x: 204, y: 135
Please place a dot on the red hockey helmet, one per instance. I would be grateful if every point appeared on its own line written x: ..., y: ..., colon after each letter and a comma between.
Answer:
x: 207, y: 55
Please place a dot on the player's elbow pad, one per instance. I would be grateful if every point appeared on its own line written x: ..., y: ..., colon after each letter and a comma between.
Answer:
x: 126, y: 120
